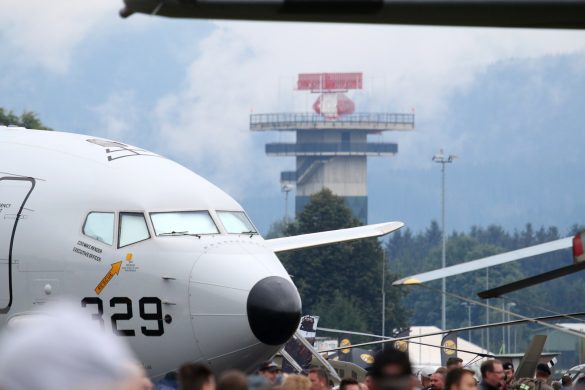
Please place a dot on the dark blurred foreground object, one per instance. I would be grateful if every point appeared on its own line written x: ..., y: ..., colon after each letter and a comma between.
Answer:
x: 459, y: 378
x: 566, y: 14
x: 454, y: 362
x: 232, y: 380
x: 195, y: 376
x: 391, y: 370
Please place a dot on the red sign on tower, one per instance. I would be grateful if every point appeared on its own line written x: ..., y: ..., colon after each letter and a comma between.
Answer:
x: 332, y: 103
x: 329, y: 82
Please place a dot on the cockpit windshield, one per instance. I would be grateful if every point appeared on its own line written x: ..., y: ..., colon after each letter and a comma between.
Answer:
x: 183, y: 223
x: 236, y: 222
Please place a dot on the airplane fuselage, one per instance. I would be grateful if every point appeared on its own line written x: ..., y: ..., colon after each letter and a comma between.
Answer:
x: 155, y: 253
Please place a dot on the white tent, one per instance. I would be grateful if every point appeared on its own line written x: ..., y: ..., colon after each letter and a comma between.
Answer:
x: 428, y: 356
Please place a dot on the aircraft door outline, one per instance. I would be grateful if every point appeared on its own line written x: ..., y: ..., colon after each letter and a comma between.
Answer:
x: 12, y: 233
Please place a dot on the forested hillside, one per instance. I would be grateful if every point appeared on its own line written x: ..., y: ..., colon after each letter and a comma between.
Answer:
x: 342, y: 282
x: 410, y: 253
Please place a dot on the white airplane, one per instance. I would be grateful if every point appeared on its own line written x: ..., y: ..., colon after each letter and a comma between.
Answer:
x: 155, y: 253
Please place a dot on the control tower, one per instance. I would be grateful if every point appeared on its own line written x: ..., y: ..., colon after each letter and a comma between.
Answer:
x: 331, y: 147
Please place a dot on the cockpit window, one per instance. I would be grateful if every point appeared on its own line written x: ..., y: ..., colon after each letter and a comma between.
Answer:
x: 100, y: 226
x: 183, y: 223
x: 132, y: 229
x: 236, y: 222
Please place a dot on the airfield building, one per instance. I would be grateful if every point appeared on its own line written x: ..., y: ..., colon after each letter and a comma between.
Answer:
x: 331, y: 147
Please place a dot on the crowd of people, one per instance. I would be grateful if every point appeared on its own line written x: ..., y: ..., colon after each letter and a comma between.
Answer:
x: 66, y: 351
x: 495, y: 375
x: 391, y: 370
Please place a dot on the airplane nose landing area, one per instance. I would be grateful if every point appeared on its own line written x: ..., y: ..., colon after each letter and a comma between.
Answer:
x: 274, y: 310
x: 242, y: 303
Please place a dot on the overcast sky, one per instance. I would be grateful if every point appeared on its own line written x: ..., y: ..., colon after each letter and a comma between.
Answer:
x: 185, y: 88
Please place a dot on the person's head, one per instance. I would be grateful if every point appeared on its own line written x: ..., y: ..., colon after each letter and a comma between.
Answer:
x: 319, y: 379
x: 269, y: 370
x: 442, y: 370
x: 460, y: 379
x: 492, y: 372
x: 195, y: 376
x: 369, y: 379
x: 62, y: 348
x: 454, y: 362
x: 232, y: 380
x: 425, y: 377
x: 391, y: 370
x: 543, y: 371
x: 363, y: 386
x: 296, y: 382
x: 391, y: 363
x: 425, y: 381
x: 508, y: 372
x: 349, y: 384
x: 437, y: 381
x: 566, y: 381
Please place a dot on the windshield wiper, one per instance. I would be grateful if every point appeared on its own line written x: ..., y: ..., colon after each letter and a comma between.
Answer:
x: 251, y: 233
x: 174, y: 233
x: 185, y: 233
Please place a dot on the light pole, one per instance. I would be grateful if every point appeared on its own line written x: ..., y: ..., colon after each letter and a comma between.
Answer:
x: 509, y: 306
x: 442, y: 159
x: 503, y: 327
x: 468, y: 306
x: 487, y: 309
x: 515, y: 334
x: 286, y: 188
x: 384, y: 259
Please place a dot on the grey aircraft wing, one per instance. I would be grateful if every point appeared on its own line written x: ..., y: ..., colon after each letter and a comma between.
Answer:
x: 284, y: 244
x: 489, y: 261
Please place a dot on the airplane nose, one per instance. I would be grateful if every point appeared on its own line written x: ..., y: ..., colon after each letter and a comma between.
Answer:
x: 274, y: 310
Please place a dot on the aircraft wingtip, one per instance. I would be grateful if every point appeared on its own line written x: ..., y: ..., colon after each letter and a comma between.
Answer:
x: 406, y: 282
x: 389, y: 227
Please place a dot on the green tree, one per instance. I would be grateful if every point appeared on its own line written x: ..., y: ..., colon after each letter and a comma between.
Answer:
x: 278, y: 228
x: 341, y: 312
x: 341, y: 274
x: 27, y: 119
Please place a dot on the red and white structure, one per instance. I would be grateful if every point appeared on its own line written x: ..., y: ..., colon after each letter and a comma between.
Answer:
x: 331, y: 147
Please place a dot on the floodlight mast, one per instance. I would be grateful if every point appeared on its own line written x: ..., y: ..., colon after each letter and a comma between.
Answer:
x: 286, y: 188
x: 442, y: 159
